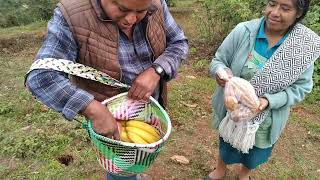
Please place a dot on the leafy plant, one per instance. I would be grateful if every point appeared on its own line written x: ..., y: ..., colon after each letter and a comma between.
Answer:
x: 22, y: 12
x: 171, y: 3
x: 219, y: 17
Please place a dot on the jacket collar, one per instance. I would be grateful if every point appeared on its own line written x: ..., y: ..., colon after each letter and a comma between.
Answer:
x: 253, y: 26
x: 96, y: 4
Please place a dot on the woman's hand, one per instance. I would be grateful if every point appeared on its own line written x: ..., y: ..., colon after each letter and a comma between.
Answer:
x: 264, y: 103
x: 222, y: 82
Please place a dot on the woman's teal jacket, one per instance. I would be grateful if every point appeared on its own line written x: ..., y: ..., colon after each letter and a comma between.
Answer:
x: 233, y: 53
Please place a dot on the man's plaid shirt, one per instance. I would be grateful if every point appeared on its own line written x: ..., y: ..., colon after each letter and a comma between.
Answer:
x: 54, y: 88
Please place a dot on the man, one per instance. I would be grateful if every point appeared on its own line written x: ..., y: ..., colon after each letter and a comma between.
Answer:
x: 135, y: 41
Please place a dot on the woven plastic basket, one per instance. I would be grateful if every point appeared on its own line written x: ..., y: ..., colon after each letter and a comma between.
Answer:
x: 120, y: 158
x: 123, y: 158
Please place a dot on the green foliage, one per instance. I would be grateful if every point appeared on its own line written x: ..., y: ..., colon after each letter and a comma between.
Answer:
x: 316, y: 76
x: 201, y: 64
x: 219, y: 17
x: 171, y: 3
x: 5, y: 109
x: 22, y: 12
x: 313, y: 21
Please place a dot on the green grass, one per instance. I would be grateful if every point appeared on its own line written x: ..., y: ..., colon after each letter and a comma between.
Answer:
x: 18, y: 30
x: 184, y: 3
x: 33, y: 153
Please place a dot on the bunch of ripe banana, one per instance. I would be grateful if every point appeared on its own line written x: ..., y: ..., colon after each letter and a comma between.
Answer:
x: 138, y: 132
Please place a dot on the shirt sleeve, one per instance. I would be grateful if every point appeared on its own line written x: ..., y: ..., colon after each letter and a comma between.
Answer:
x: 51, y: 87
x: 177, y: 46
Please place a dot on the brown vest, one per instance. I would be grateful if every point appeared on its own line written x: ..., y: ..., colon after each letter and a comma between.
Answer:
x: 98, y: 41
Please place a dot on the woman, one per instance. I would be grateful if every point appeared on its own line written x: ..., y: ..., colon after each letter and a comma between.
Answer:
x: 276, y: 54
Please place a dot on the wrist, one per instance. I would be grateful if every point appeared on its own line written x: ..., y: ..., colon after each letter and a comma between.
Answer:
x: 158, y: 70
x: 91, y: 108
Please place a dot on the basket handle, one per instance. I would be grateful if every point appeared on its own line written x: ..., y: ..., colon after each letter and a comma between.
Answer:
x: 77, y: 69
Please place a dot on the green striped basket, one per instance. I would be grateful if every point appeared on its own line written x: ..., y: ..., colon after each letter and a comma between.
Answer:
x: 123, y: 158
x: 120, y: 158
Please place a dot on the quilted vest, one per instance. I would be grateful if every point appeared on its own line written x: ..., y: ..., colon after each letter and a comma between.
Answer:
x: 98, y: 41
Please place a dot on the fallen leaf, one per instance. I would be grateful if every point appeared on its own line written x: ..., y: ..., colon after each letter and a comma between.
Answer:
x: 43, y: 108
x: 180, y: 159
x: 318, y: 171
x: 189, y: 105
x: 191, y: 77
x: 40, y: 131
x: 209, y: 151
x: 13, y: 164
x: 27, y: 128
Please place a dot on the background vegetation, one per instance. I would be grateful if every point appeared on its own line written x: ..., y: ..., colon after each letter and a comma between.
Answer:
x: 216, y: 19
x: 37, y: 143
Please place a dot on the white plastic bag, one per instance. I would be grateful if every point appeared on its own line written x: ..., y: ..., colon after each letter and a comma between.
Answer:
x: 239, y: 97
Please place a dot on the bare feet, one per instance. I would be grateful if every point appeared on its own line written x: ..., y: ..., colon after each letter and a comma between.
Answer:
x: 244, y: 178
x: 143, y: 176
x: 217, y: 173
x: 244, y: 173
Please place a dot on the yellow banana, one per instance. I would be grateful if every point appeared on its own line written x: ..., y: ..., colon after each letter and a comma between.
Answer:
x: 124, y: 136
x: 143, y: 134
x: 136, y: 139
x: 142, y: 125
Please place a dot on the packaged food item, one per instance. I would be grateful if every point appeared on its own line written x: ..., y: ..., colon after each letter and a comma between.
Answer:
x: 240, y: 98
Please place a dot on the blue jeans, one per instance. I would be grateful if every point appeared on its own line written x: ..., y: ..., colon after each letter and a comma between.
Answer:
x: 115, y: 177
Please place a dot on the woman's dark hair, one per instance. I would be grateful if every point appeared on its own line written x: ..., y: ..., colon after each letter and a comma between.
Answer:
x: 302, y: 7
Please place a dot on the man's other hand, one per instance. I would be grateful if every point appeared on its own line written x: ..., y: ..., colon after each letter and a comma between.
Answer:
x: 144, y: 85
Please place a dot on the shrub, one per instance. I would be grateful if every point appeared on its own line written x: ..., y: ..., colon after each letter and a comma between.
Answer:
x: 217, y: 18
x: 22, y: 12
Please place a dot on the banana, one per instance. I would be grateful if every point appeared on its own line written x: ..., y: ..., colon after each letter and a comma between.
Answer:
x: 146, y: 127
x: 136, y: 139
x: 143, y: 134
x: 124, y: 136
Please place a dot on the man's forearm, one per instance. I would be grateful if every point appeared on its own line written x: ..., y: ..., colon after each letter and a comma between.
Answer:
x: 55, y: 90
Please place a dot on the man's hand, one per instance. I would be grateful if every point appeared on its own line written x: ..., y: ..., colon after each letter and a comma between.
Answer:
x: 103, y: 122
x: 144, y: 85
x: 264, y: 103
x: 222, y: 82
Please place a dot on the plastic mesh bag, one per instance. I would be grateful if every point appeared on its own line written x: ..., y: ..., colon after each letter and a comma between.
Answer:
x: 240, y: 98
